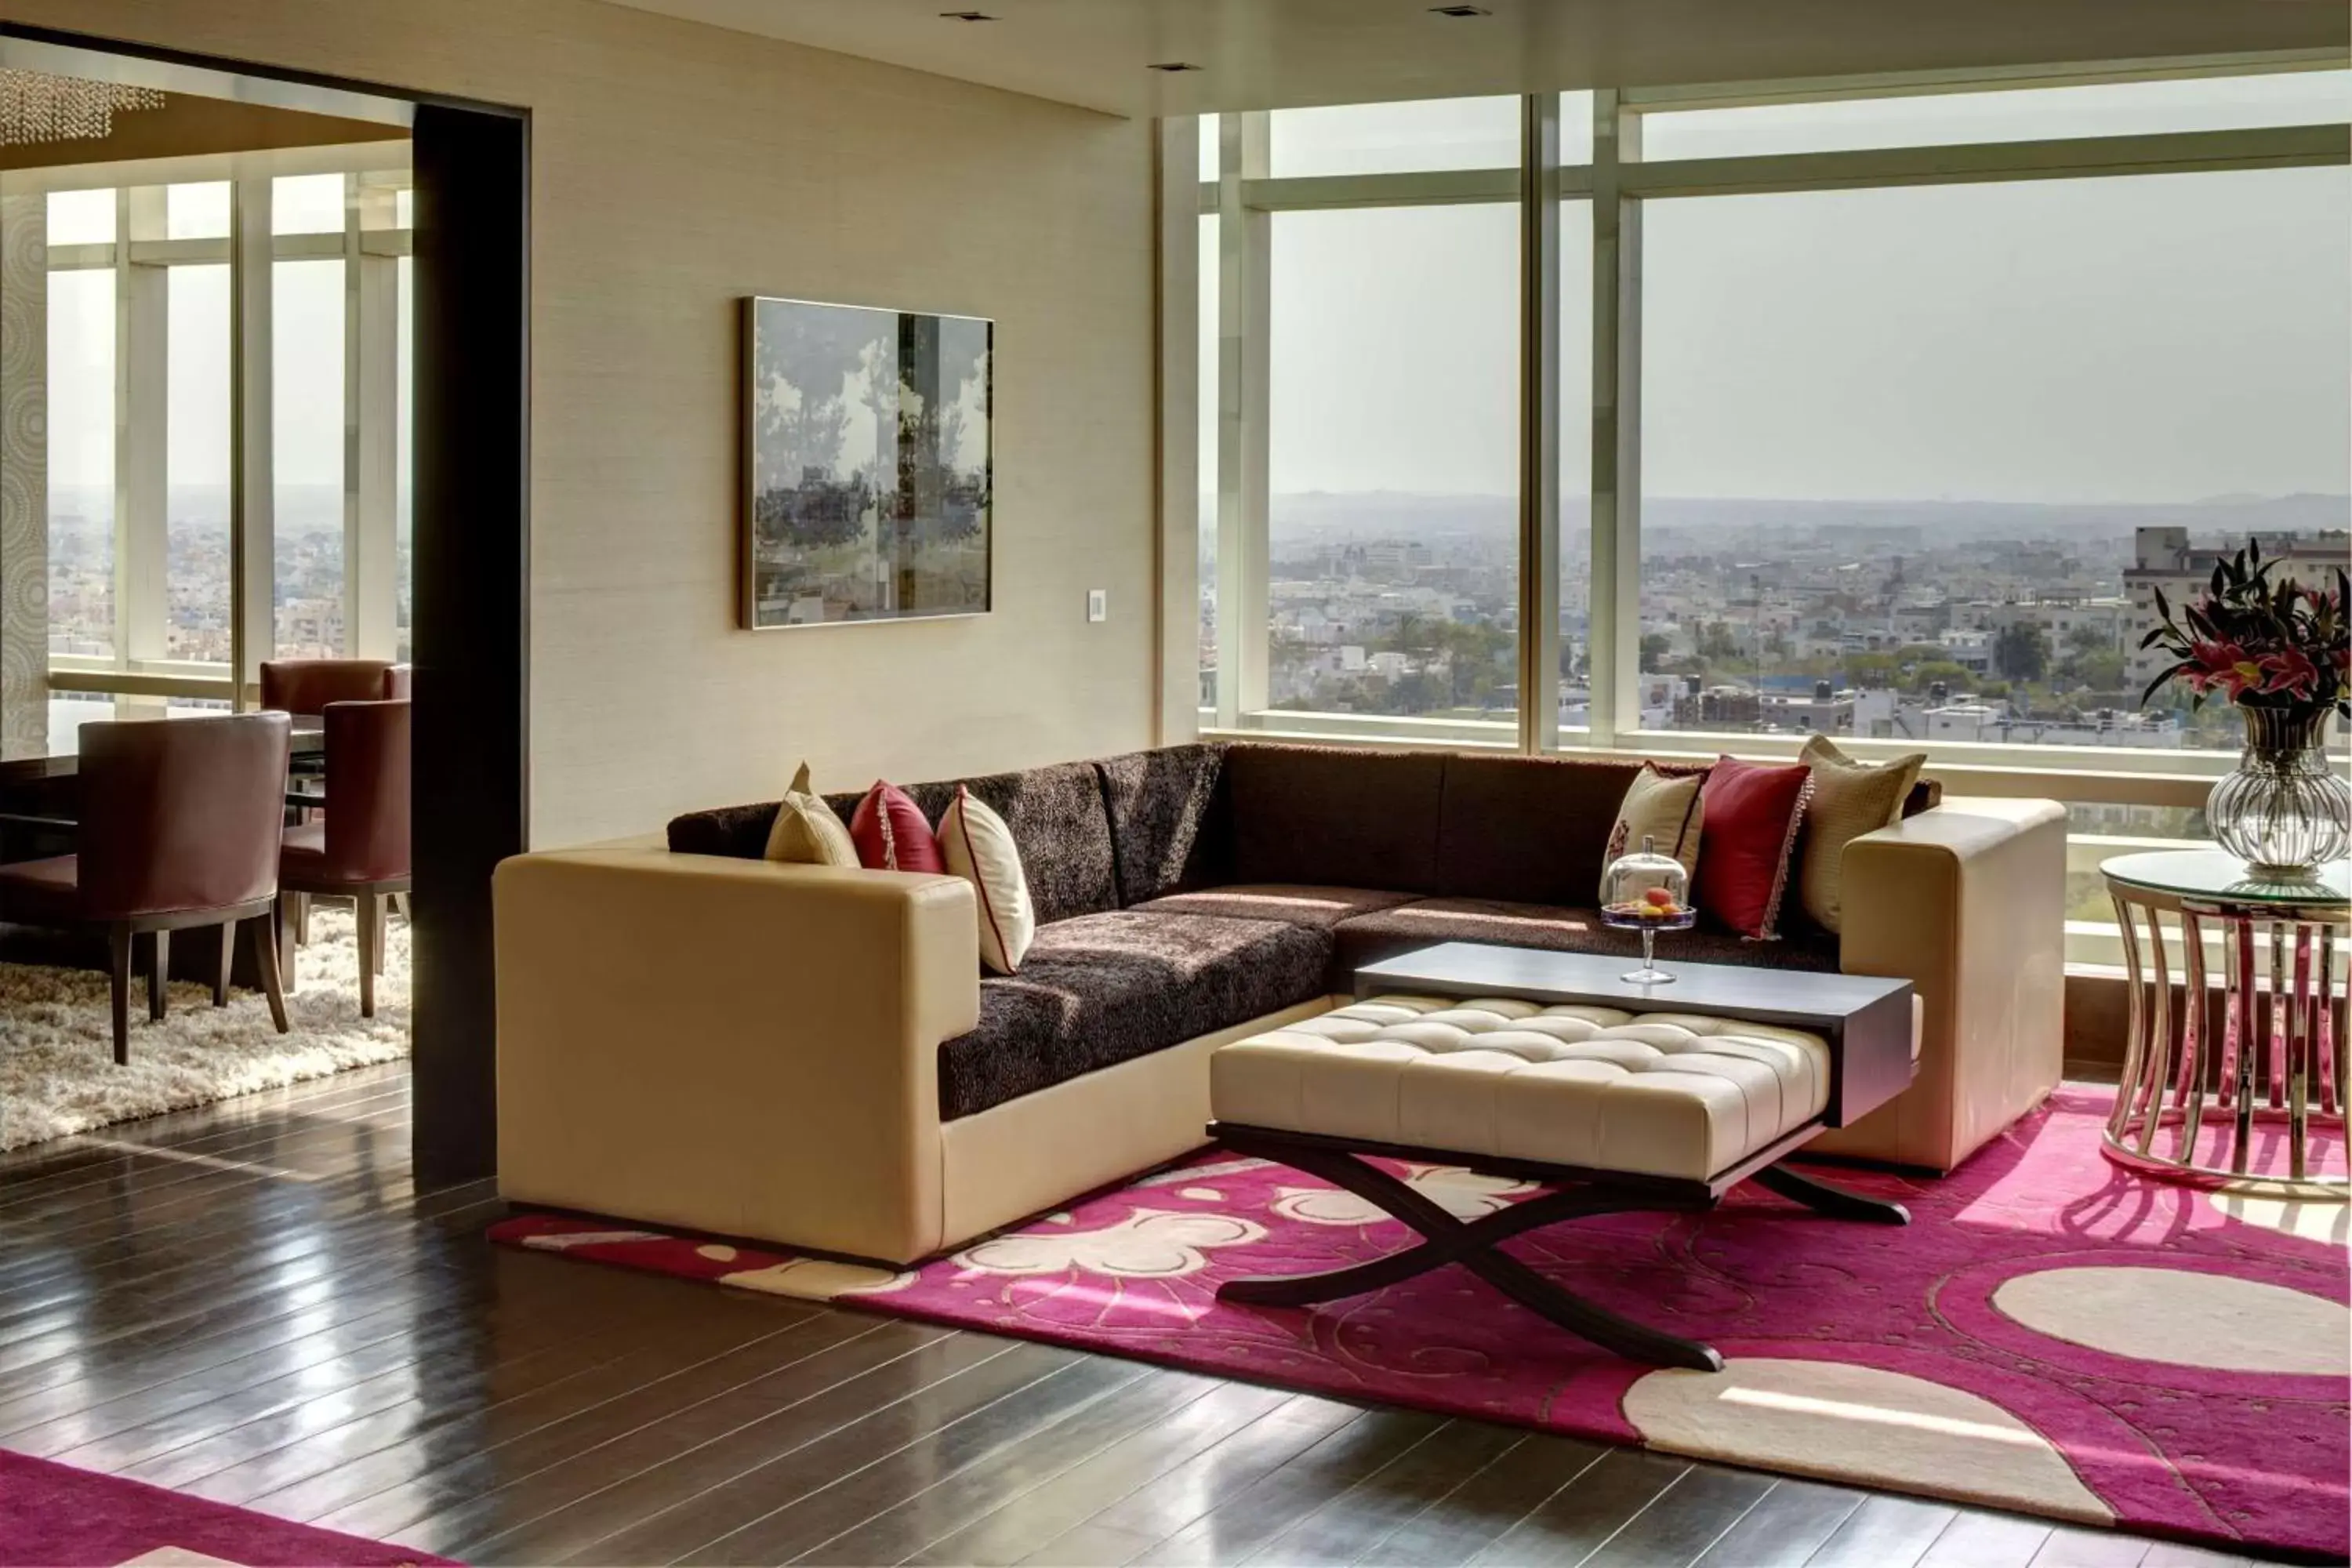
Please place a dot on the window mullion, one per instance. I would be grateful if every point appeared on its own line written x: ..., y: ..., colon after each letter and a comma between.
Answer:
x: 1615, y: 613
x: 142, y: 381
x: 1243, y: 386
x: 1539, y: 598
x: 371, y: 429
x: 253, y: 621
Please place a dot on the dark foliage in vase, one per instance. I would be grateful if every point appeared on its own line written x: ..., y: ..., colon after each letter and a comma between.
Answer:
x: 2257, y: 642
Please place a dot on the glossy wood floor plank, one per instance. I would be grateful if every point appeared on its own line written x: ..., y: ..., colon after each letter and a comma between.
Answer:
x: 363, y: 1457
x: 688, y: 1527
x: 1238, y: 1526
x: 1884, y: 1532
x: 1788, y: 1525
x: 463, y: 1348
x: 1697, y: 1509
x: 730, y: 1439
x: 1361, y: 1518
x: 1579, y: 1519
x: 544, y: 1512
x: 1197, y: 1487
x: 2071, y: 1547
x: 1484, y: 1508
x: 1987, y: 1541
x: 1020, y: 1528
x: 938, y: 1458
x: 907, y: 1526
x: 253, y: 1301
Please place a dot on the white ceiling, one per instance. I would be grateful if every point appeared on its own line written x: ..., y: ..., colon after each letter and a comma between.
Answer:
x: 1257, y: 54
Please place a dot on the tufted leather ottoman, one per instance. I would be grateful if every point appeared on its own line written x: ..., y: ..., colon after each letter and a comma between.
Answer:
x: 1661, y: 1094
x: 1615, y: 1109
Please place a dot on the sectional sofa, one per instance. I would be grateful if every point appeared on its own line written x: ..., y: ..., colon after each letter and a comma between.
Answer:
x: 692, y: 1035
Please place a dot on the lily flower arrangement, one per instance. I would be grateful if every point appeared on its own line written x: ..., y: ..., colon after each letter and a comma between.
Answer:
x: 2258, y: 643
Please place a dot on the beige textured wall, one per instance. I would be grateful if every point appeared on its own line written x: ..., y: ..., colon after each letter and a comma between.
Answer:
x: 676, y: 168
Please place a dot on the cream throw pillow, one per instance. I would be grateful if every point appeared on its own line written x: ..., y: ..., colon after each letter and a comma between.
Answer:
x: 979, y: 848
x: 1660, y: 807
x: 1850, y: 799
x: 807, y: 832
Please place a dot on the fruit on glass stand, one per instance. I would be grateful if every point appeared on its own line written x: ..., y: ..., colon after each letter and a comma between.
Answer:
x: 1644, y: 910
x: 1660, y: 897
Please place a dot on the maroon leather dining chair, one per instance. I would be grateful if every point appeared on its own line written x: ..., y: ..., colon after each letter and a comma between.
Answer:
x: 361, y: 849
x: 178, y: 827
x: 308, y: 685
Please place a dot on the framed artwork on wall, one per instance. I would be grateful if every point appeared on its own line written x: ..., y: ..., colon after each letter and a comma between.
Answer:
x: 867, y: 467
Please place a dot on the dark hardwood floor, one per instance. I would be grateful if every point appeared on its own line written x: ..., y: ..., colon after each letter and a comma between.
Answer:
x: 255, y: 1303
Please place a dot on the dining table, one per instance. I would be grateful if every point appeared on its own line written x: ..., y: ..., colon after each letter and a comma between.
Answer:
x: 27, y: 758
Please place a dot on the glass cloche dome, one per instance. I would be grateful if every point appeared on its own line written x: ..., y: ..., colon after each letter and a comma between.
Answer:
x: 1647, y: 892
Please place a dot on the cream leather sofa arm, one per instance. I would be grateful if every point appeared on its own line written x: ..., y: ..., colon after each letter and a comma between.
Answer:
x: 733, y: 1046
x: 1968, y: 901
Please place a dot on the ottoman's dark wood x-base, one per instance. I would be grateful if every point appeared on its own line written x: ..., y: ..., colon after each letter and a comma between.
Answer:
x: 1307, y: 1096
x: 1475, y: 1243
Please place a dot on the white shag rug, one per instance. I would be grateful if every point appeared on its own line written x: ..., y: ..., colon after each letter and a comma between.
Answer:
x: 57, y: 1074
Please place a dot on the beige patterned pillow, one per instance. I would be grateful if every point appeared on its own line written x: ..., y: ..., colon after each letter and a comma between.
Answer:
x: 978, y: 847
x: 1662, y: 807
x: 807, y: 832
x: 1850, y: 799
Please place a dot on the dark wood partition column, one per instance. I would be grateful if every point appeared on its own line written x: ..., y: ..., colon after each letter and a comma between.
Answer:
x: 471, y: 563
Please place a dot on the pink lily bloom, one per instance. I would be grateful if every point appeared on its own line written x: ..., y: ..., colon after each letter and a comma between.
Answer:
x: 2223, y: 666
x: 2290, y: 673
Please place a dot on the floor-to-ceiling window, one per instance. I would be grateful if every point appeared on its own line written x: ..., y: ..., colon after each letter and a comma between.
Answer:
x: 1880, y: 409
x: 1358, y: 427
x: 157, y: 535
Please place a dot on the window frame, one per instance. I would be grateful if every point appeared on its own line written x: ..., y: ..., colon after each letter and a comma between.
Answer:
x: 1617, y: 182
x: 370, y: 244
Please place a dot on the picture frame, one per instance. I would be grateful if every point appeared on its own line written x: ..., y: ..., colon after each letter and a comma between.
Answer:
x: 868, y: 464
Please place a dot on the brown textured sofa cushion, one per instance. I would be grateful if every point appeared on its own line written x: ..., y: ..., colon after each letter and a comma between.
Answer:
x: 1055, y: 814
x: 1169, y: 829
x: 1529, y: 829
x: 739, y: 831
x: 1063, y: 832
x: 1106, y: 988
x: 1368, y: 939
x: 1321, y: 814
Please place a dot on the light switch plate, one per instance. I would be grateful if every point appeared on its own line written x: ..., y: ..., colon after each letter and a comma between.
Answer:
x: 1097, y: 603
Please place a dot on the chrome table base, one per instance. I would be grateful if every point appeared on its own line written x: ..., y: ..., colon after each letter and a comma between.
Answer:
x: 2196, y: 1101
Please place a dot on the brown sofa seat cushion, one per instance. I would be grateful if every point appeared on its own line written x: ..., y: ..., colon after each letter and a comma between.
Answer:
x: 1106, y: 988
x: 1293, y: 903
x: 1368, y: 939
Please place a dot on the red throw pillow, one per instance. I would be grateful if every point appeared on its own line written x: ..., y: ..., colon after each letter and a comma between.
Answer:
x: 890, y: 832
x: 1749, y: 817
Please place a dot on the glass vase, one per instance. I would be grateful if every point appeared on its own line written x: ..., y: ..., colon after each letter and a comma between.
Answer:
x: 2285, y: 809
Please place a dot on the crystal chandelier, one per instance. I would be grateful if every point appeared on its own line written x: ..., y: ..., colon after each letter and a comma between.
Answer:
x: 38, y: 106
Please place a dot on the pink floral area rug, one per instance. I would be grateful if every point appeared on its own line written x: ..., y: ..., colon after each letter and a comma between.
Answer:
x: 2050, y: 1334
x: 57, y: 1516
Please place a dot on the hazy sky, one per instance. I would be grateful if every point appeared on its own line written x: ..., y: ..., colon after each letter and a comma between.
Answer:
x: 308, y: 349
x: 2161, y: 338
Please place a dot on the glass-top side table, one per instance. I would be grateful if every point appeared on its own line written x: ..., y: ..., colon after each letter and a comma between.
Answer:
x: 2193, y: 1097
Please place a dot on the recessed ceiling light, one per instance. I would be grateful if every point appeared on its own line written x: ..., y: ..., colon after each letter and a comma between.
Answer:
x: 1459, y: 11
x: 1174, y: 66
x: 966, y: 17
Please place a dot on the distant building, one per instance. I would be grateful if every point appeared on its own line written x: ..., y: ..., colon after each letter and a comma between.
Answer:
x: 2167, y: 558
